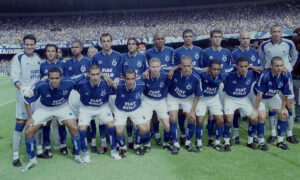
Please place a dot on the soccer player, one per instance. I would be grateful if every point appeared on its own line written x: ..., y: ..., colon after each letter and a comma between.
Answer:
x: 154, y: 98
x: 284, y: 48
x: 184, y: 91
x: 224, y: 56
x: 141, y: 47
x: 211, y: 81
x: 109, y: 62
x: 25, y: 71
x: 165, y: 55
x: 94, y: 95
x: 265, y: 91
x: 237, y: 86
x: 128, y: 105
x: 92, y: 51
x: 253, y: 57
x: 53, y: 94
x: 60, y: 55
x: 188, y: 49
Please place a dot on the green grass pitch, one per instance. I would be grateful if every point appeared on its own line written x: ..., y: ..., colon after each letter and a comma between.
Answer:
x: 241, y: 163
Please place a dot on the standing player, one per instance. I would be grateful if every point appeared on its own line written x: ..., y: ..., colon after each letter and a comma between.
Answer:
x: 92, y: 51
x: 53, y: 95
x: 165, y: 55
x: 128, y: 105
x: 253, y: 57
x: 224, y: 56
x: 188, y: 49
x: 109, y: 62
x: 184, y: 91
x: 284, y: 48
x: 25, y: 71
x: 265, y: 91
x: 141, y: 47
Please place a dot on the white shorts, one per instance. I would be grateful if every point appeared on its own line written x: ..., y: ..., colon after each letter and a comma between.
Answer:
x: 159, y: 106
x: 233, y: 103
x: 292, y: 96
x: 221, y: 93
x: 273, y: 103
x: 74, y: 102
x: 212, y: 103
x: 86, y: 113
x: 111, y: 102
x: 174, y: 103
x: 21, y: 112
x: 44, y: 113
x: 135, y: 116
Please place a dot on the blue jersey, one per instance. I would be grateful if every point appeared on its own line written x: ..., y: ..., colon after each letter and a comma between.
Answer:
x: 239, y: 86
x: 76, y: 67
x: 210, y: 86
x: 165, y: 56
x: 110, y: 64
x: 129, y: 100
x: 91, y: 95
x: 182, y: 87
x: 54, y: 96
x: 157, y: 88
x: 223, y: 55
x: 270, y: 85
x: 195, y: 53
x: 251, y: 54
x: 45, y: 66
x: 137, y: 62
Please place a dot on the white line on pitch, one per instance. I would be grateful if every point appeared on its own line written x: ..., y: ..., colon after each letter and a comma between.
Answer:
x: 7, y: 102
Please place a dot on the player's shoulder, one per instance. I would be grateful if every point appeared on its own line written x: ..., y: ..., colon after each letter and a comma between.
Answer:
x: 150, y: 50
x: 18, y: 56
x: 207, y: 50
x: 41, y: 84
x: 266, y: 42
x: 195, y: 75
x: 287, y: 41
x: 169, y: 48
x: 140, y: 82
x: 197, y: 48
x: 236, y: 50
x: 116, y: 53
x: 226, y: 50
x: 178, y: 49
x: 68, y: 61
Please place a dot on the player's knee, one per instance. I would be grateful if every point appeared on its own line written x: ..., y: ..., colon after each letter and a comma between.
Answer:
x: 253, y: 121
x: 29, y: 132
x: 200, y: 121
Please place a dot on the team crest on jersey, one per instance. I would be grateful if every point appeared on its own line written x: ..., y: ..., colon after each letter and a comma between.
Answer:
x: 103, y: 93
x: 65, y: 92
x: 83, y: 69
x: 234, y: 82
x: 167, y: 58
x: 253, y: 58
x: 197, y: 56
x: 137, y: 96
x: 139, y: 64
x: 100, y: 62
x: 280, y: 85
x: 70, y: 68
x: 189, y: 86
x: 126, y: 63
x: 211, y: 57
x: 48, y: 95
x: 114, y: 62
x: 224, y: 58
x: 248, y: 81
x: 147, y: 84
x: 162, y: 84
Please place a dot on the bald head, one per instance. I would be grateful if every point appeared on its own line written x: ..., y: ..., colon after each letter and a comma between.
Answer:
x: 159, y: 40
x: 244, y: 39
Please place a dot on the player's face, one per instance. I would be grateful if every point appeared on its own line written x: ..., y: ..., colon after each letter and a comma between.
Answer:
x: 54, y: 79
x: 276, y: 33
x: 142, y: 48
x: 91, y: 52
x: 76, y: 49
x: 51, y: 53
x: 94, y: 76
x: 277, y: 67
x: 132, y: 47
x: 29, y: 46
x: 105, y: 42
x: 244, y: 40
x: 188, y: 38
x: 186, y: 67
x: 242, y: 68
x: 130, y: 80
x: 59, y: 54
x: 214, y: 70
x: 216, y: 39
x: 155, y: 68
x: 159, y: 41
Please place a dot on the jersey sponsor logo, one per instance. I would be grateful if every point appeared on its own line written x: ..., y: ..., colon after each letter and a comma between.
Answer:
x: 197, y: 56
x: 162, y: 84
x: 224, y: 58
x: 167, y: 58
x: 253, y: 58
x: 103, y: 93
x: 139, y: 64
x: 248, y: 81
x: 65, y: 92
x: 83, y: 68
x: 114, y: 62
x: 189, y: 86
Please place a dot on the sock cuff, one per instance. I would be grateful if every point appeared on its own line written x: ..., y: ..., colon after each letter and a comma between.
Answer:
x: 271, y: 113
x: 291, y: 113
x: 19, y: 127
x: 74, y: 138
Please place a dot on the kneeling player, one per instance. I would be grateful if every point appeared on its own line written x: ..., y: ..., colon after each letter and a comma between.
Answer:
x: 128, y: 105
x: 94, y: 94
x: 54, y: 94
x: 266, y: 91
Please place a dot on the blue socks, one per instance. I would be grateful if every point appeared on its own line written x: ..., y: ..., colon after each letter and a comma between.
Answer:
x: 76, y: 141
x: 46, y: 136
x: 62, y: 133
x: 199, y: 132
x: 112, y: 137
x: 219, y: 132
x: 181, y: 123
x: 210, y: 128
x: 30, y: 145
x: 173, y: 130
x: 83, y: 140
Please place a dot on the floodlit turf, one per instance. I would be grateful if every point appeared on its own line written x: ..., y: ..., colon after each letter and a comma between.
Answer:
x: 241, y: 163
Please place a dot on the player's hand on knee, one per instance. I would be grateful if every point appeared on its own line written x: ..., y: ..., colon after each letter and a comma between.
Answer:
x: 192, y: 115
x: 284, y: 113
x: 29, y: 122
x: 253, y: 115
x: 27, y: 91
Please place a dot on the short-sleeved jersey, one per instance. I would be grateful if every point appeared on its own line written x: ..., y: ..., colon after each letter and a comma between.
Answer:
x: 157, y: 88
x: 223, y: 55
x: 45, y: 66
x: 137, y: 62
x: 75, y: 67
x: 129, y: 99
x: 182, y: 87
x: 251, y: 54
x: 110, y: 64
x: 25, y: 69
x: 165, y: 56
x: 91, y: 95
x: 195, y: 53
x: 270, y: 85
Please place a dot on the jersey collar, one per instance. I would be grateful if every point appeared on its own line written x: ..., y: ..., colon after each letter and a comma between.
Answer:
x: 188, y: 48
x: 132, y: 88
x: 241, y: 76
x: 96, y: 85
x: 51, y: 63
x: 77, y: 60
x: 132, y: 56
x: 244, y: 50
x: 107, y: 53
x: 274, y: 43
x: 216, y: 49
x: 187, y: 76
x: 159, y: 50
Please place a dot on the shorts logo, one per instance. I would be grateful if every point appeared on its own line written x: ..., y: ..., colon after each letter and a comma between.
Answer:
x: 167, y: 58
x: 48, y: 95
x: 137, y: 96
x: 248, y: 81
x: 70, y: 113
x: 162, y: 84
x: 144, y: 117
x: 224, y: 58
x: 211, y: 57
x: 253, y: 58
x: 139, y: 64
x: 189, y: 86
x: 65, y: 92
x: 108, y: 114
x: 197, y: 56
x: 114, y: 62
x: 83, y: 69
x: 103, y: 93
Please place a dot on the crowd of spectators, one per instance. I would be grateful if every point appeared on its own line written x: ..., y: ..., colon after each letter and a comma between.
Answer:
x: 144, y: 24
x: 4, y: 64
